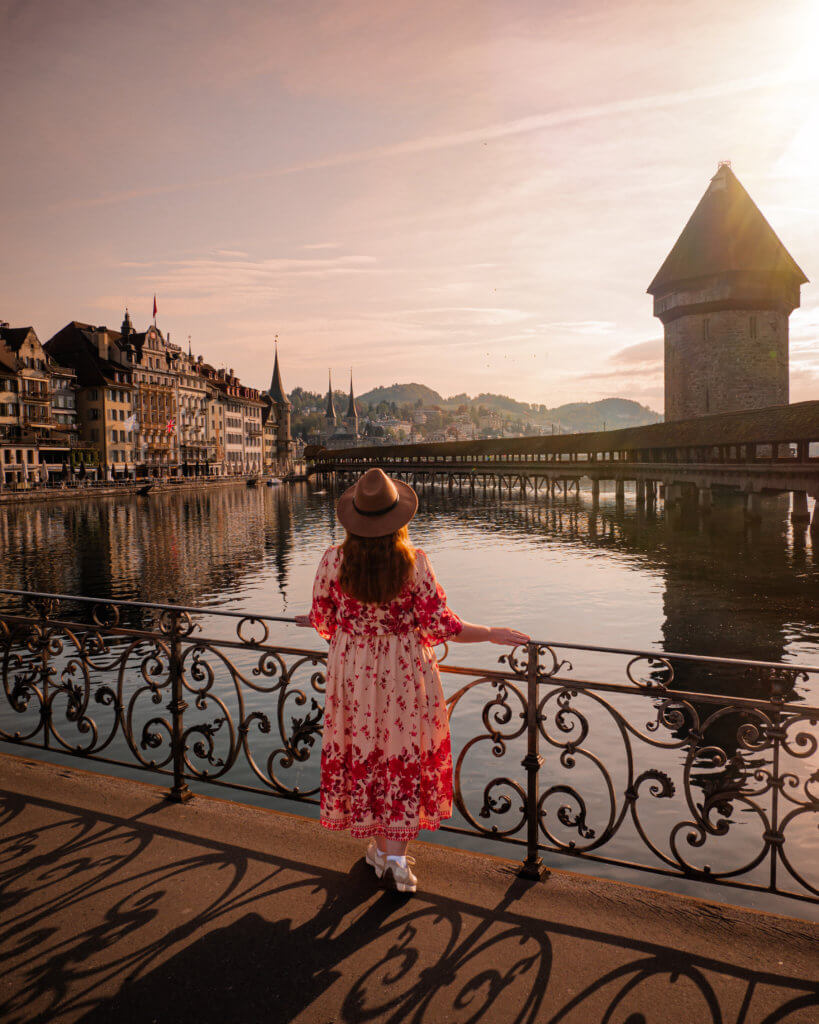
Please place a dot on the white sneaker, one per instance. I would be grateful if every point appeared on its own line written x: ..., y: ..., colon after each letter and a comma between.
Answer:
x: 375, y: 859
x: 399, y: 876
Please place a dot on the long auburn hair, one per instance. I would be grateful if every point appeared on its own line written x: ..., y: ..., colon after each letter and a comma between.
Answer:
x: 376, y: 569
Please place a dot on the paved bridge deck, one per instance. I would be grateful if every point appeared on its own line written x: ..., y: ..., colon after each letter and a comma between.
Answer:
x: 118, y: 906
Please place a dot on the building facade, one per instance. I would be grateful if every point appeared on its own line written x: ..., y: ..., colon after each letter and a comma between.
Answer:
x: 724, y: 295
x: 105, y: 396
x: 38, y: 414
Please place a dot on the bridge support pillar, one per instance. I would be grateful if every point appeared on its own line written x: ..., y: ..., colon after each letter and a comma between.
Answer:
x: 620, y: 492
x: 640, y: 491
x: 799, y: 507
x: 753, y: 506
x: 651, y: 491
x: 595, y: 493
x: 814, y: 523
x: 704, y: 499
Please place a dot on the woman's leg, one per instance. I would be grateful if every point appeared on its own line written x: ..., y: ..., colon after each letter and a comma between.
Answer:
x: 392, y: 847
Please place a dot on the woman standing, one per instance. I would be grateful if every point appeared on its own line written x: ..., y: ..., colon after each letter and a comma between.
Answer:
x: 386, y: 765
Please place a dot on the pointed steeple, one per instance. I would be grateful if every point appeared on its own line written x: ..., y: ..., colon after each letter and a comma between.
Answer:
x: 352, y: 414
x: 127, y: 327
x: 276, y: 391
x: 330, y: 414
x: 725, y: 234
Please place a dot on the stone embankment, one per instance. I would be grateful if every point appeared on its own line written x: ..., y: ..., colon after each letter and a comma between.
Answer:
x: 83, y: 493
x: 120, y: 906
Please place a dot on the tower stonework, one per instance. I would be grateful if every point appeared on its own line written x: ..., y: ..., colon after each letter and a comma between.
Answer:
x: 724, y: 295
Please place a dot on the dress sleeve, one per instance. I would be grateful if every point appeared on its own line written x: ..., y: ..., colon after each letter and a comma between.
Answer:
x: 433, y: 619
x: 323, y: 610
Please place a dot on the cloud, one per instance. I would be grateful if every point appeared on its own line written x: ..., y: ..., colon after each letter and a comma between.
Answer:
x: 583, y: 326
x: 468, y: 137
x: 643, y: 352
x: 245, y: 278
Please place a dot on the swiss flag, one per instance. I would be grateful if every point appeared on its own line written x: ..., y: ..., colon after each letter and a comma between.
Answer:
x: 154, y: 305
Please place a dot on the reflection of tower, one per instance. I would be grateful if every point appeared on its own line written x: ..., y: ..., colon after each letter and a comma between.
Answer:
x: 724, y: 295
x: 284, y: 539
x: 351, y: 419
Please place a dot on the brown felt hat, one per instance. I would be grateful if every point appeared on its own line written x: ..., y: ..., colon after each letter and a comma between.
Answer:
x: 376, y: 505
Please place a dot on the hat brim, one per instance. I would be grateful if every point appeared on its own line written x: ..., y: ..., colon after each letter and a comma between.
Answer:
x: 380, y: 525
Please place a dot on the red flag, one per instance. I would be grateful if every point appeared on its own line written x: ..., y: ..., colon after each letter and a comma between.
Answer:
x: 171, y: 425
x: 154, y: 307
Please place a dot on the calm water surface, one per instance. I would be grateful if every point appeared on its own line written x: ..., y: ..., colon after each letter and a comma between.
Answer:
x: 554, y: 569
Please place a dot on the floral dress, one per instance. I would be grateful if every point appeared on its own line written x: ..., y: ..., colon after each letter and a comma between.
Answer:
x: 386, y: 764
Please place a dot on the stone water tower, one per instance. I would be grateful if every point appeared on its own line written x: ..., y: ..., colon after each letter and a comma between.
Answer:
x: 724, y: 295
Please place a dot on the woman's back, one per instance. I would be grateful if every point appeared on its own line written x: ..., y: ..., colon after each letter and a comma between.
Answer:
x: 418, y: 609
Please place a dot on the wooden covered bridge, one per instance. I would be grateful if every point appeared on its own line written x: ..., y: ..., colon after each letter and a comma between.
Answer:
x: 765, y: 450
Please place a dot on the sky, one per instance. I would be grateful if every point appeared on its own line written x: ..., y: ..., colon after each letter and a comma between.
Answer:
x: 471, y: 195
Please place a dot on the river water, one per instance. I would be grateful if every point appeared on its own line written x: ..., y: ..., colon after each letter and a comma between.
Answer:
x: 554, y: 568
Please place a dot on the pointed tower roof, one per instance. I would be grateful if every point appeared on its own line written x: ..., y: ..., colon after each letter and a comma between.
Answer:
x: 127, y: 327
x: 331, y: 409
x: 276, y: 391
x: 351, y: 409
x: 726, y: 233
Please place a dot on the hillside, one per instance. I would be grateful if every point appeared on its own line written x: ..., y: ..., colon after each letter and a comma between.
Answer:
x: 574, y: 417
x: 402, y: 394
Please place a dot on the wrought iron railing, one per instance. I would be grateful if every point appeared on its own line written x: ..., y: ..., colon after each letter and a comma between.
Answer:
x: 639, y: 759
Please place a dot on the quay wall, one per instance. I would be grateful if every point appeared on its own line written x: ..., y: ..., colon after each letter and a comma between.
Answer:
x: 80, y: 493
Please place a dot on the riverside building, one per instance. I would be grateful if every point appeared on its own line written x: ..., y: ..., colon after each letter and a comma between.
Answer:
x: 38, y: 414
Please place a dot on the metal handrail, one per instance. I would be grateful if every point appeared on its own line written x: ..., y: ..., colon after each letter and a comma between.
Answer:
x: 105, y: 679
x: 558, y: 644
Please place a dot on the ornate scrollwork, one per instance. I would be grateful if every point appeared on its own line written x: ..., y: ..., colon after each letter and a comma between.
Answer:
x: 546, y: 658
x: 627, y: 769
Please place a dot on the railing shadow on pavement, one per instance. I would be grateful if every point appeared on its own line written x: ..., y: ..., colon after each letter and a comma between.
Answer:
x: 703, y: 769
x: 221, y: 932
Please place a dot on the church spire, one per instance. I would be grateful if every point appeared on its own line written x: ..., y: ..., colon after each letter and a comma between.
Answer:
x: 330, y: 414
x: 352, y: 413
x: 276, y: 391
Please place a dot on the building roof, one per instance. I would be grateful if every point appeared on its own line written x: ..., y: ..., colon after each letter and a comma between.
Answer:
x: 351, y: 410
x: 726, y: 233
x: 276, y: 391
x: 13, y: 337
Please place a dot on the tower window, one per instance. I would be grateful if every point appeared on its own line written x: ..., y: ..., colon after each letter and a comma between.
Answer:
x: 753, y: 326
x: 706, y: 329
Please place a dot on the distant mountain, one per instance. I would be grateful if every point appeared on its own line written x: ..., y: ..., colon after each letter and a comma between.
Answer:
x: 402, y: 394
x: 614, y: 413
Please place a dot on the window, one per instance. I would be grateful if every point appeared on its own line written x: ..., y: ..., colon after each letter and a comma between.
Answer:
x: 93, y: 414
x: 706, y: 329
x: 752, y: 327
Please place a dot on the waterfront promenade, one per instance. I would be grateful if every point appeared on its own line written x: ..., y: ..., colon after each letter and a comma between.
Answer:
x: 118, y: 905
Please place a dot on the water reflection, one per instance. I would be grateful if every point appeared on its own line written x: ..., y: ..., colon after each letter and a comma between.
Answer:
x: 707, y: 585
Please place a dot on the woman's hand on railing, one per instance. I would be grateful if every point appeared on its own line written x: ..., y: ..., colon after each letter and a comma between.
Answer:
x: 507, y: 637
x: 303, y: 620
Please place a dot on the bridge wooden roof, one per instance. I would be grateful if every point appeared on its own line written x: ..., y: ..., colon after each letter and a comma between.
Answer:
x: 779, y: 424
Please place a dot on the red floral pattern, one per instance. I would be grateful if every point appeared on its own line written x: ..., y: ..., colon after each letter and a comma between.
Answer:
x: 386, y: 764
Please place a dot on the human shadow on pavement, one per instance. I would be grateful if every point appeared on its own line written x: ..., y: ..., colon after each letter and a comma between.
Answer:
x: 99, y: 927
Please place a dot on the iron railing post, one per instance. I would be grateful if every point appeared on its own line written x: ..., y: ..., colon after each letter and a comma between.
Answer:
x: 532, y: 867
x: 179, y: 792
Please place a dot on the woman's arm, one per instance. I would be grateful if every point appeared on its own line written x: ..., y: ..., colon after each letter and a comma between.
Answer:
x: 474, y: 634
